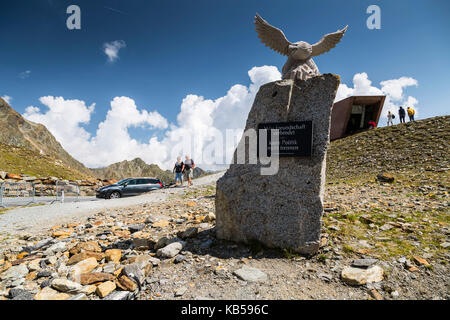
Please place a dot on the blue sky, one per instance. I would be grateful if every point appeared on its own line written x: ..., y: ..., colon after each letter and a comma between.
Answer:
x: 203, y: 48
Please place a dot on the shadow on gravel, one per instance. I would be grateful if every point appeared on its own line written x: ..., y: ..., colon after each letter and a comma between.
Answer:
x: 206, y: 243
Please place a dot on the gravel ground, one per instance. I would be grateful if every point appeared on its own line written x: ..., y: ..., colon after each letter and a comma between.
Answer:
x: 36, y: 219
x: 413, y: 256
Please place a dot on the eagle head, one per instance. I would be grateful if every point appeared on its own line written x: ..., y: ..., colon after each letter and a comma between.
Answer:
x: 300, y: 50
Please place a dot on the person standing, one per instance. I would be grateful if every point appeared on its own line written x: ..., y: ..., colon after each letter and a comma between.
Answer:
x: 390, y: 116
x: 189, y: 166
x: 178, y: 170
x: 411, y: 114
x: 401, y: 114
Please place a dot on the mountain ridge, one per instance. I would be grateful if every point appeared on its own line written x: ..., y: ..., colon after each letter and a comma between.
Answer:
x: 19, y: 132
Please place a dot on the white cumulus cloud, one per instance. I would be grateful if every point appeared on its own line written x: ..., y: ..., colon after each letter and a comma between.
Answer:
x: 7, y: 98
x: 111, y: 49
x: 393, y: 89
x: 199, y: 122
x: 199, y: 130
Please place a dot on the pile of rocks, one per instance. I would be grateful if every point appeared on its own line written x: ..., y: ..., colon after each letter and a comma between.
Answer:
x: 105, y: 258
x: 46, y: 186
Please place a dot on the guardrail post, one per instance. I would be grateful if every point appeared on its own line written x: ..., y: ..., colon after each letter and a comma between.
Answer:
x: 56, y: 189
x: 2, y: 187
x: 78, y: 192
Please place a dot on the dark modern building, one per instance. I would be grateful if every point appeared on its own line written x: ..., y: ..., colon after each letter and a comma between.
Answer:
x: 352, y: 115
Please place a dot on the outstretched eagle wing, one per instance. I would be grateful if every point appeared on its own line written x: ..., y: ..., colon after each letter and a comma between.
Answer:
x: 328, y: 41
x: 271, y: 36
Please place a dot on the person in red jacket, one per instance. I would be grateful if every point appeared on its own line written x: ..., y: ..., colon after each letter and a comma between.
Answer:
x: 372, y: 124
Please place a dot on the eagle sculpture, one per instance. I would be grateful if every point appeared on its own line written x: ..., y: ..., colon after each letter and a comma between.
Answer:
x: 299, y: 65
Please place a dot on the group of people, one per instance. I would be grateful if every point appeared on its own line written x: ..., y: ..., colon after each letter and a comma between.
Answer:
x: 186, y: 168
x: 401, y: 114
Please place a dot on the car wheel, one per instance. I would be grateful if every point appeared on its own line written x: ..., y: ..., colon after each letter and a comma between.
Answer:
x: 114, y: 195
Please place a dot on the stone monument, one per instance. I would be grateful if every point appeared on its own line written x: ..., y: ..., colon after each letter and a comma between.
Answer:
x: 283, y: 209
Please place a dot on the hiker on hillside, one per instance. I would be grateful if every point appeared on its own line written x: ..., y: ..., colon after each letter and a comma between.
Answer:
x: 390, y: 116
x: 189, y: 166
x: 401, y: 114
x: 372, y: 124
x: 178, y: 170
x: 411, y: 114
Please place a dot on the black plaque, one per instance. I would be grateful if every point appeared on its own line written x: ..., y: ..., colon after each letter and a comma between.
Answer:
x: 295, y: 138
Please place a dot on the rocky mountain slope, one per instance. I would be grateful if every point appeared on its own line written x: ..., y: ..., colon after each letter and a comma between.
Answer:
x: 408, y: 149
x: 29, y: 148
x: 19, y: 132
x: 22, y: 161
x: 138, y: 168
x: 133, y: 168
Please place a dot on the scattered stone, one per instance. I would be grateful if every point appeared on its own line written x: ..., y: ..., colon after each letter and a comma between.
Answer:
x: 325, y: 277
x: 170, y: 250
x: 14, y: 292
x: 180, y: 291
x: 14, y: 273
x: 364, y: 263
x: 79, y: 296
x: 64, y: 285
x: 83, y: 256
x: 375, y: 294
x: 113, y: 255
x: 154, y: 261
x: 134, y: 271
x: 136, y: 227
x: 445, y: 245
x: 105, y: 288
x: 109, y: 267
x: 61, y: 234
x: 250, y: 274
x: 402, y: 260
x: 95, y: 277
x: 160, y: 224
x: 127, y: 284
x: 118, y: 295
x: 44, y: 274
x: 25, y: 295
x: 421, y: 261
x: 84, y: 266
x: 203, y: 225
x: 57, y: 247
x: 413, y: 269
x: 357, y: 276
x: 51, y: 260
x: 46, y: 283
x: 86, y: 246
x: 386, y: 227
x: 90, y: 289
x: 49, y: 294
x: 34, y: 265
x: 385, y: 177
x: 179, y: 258
x: 189, y: 233
x: 161, y: 243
